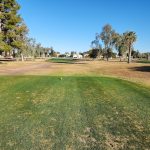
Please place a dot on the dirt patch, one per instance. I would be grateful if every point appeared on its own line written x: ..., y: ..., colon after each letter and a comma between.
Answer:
x: 137, y: 72
x: 114, y: 143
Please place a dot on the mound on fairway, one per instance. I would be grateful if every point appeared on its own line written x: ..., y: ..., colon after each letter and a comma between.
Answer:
x: 73, y: 113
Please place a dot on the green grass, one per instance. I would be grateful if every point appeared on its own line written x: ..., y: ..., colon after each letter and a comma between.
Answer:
x: 63, y: 60
x: 42, y: 113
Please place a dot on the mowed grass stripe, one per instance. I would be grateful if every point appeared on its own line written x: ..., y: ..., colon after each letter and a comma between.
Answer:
x: 73, y: 113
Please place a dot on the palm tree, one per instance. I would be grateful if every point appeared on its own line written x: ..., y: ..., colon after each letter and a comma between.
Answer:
x: 130, y: 38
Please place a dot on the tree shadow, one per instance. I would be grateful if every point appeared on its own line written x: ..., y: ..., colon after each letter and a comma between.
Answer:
x: 141, y: 68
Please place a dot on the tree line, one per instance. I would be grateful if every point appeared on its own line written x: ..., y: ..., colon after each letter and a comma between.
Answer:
x: 36, y: 50
x: 13, y: 34
x: 14, y: 40
x: 111, y: 40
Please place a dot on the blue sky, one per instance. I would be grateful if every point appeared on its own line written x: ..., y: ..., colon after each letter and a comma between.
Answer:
x: 70, y: 25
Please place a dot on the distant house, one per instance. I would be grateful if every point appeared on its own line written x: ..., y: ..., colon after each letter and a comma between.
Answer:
x: 80, y: 56
x: 77, y: 56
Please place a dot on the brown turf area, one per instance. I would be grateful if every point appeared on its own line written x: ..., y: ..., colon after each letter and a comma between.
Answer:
x: 136, y: 72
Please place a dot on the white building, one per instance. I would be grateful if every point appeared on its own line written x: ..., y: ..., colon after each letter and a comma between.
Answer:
x: 77, y: 56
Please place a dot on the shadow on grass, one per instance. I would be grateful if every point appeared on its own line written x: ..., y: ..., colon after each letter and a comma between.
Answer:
x: 141, y: 68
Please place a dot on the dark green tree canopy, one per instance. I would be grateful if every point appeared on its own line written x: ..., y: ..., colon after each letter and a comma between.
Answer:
x: 12, y: 27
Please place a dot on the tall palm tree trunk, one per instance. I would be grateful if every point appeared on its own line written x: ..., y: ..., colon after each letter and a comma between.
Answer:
x: 129, y: 57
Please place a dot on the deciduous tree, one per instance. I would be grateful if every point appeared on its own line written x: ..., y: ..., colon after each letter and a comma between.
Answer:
x: 106, y: 36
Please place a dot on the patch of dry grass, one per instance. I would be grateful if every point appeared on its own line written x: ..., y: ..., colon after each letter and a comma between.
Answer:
x: 133, y: 72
